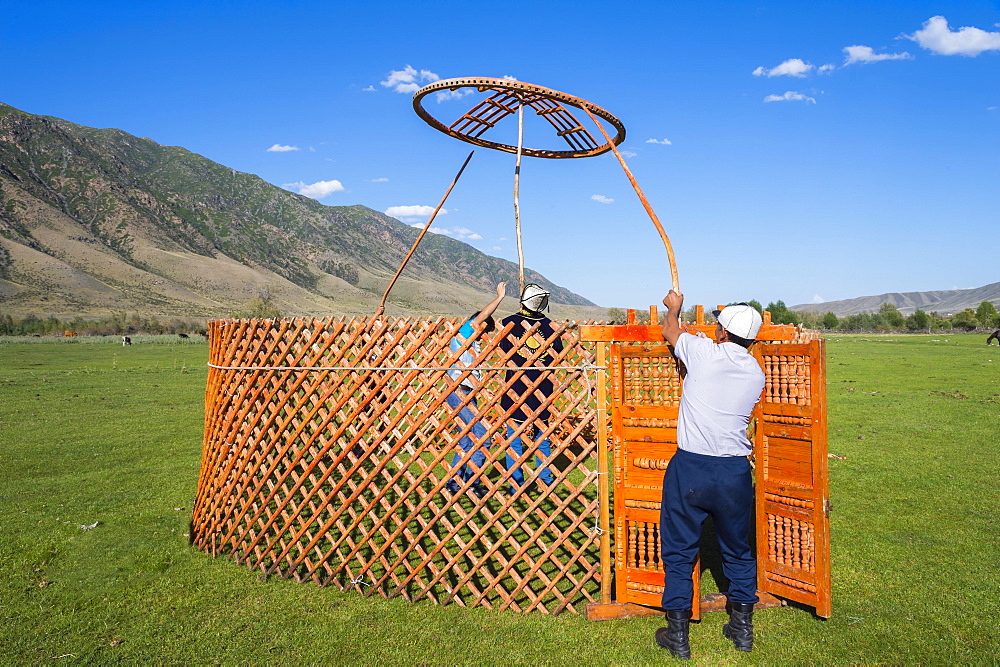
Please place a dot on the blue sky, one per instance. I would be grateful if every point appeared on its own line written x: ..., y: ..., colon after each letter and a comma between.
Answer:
x: 803, y: 151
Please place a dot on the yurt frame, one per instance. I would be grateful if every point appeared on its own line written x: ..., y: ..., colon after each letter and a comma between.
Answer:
x: 329, y: 444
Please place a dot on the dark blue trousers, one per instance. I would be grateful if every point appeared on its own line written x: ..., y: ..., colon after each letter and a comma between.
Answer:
x: 696, y: 486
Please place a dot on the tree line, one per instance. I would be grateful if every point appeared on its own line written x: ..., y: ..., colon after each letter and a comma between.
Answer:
x: 261, y: 306
x: 888, y: 318
x: 117, y: 324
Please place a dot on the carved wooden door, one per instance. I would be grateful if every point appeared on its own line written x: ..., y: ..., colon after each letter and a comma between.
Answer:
x: 790, y: 450
x: 792, y: 484
x: 645, y: 395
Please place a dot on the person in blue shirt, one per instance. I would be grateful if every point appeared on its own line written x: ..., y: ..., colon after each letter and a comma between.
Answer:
x: 463, y: 399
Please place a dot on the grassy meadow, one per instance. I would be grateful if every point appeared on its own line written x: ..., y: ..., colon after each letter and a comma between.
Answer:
x: 95, y: 433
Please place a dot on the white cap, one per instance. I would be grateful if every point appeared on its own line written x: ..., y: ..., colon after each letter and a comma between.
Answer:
x: 740, y: 320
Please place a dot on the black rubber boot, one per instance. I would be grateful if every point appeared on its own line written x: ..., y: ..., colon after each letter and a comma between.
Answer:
x: 674, y: 637
x: 739, y: 629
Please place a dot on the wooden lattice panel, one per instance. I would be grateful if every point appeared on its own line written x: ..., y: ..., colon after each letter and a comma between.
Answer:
x: 328, y: 445
x: 787, y: 379
x: 792, y: 542
x: 650, y: 377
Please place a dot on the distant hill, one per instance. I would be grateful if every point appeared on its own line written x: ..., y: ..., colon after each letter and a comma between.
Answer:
x: 94, y: 221
x: 946, y: 302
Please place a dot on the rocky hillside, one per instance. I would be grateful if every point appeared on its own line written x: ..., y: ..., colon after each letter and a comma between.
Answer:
x: 93, y: 221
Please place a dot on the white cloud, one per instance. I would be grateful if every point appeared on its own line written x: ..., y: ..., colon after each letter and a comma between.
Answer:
x: 369, y: 89
x: 865, y: 54
x: 823, y: 69
x: 415, y: 211
x: 508, y: 77
x: 602, y: 199
x: 317, y: 190
x: 938, y: 38
x: 312, y: 150
x: 662, y: 142
x: 992, y: 108
x: 628, y: 153
x: 791, y: 67
x: 455, y: 232
x: 446, y: 95
x: 495, y: 248
x: 818, y: 299
x: 278, y: 148
x: 790, y: 96
x: 408, y: 79
x: 378, y: 180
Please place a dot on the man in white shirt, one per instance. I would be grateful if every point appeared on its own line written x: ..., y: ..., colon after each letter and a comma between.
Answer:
x: 710, y: 474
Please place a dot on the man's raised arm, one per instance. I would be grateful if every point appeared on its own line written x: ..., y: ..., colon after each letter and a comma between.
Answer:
x: 672, y: 320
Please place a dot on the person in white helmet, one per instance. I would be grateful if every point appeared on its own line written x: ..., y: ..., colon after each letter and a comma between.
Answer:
x: 710, y: 474
x: 530, y: 408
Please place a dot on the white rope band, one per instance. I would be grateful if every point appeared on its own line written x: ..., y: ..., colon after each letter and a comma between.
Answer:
x: 588, y: 367
x: 597, y: 530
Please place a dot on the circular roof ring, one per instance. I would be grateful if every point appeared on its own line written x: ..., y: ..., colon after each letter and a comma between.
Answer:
x: 505, y: 97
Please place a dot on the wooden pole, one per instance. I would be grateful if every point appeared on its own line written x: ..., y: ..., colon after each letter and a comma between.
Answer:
x: 649, y: 209
x: 517, y: 203
x: 603, y: 479
x: 381, y: 305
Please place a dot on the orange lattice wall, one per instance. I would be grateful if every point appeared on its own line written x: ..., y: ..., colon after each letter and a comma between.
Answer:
x: 327, y: 446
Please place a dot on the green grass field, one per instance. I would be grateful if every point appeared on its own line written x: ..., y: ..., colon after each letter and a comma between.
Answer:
x: 91, y: 432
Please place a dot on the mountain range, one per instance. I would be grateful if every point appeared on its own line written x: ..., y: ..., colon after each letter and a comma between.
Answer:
x: 945, y: 302
x: 97, y: 221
